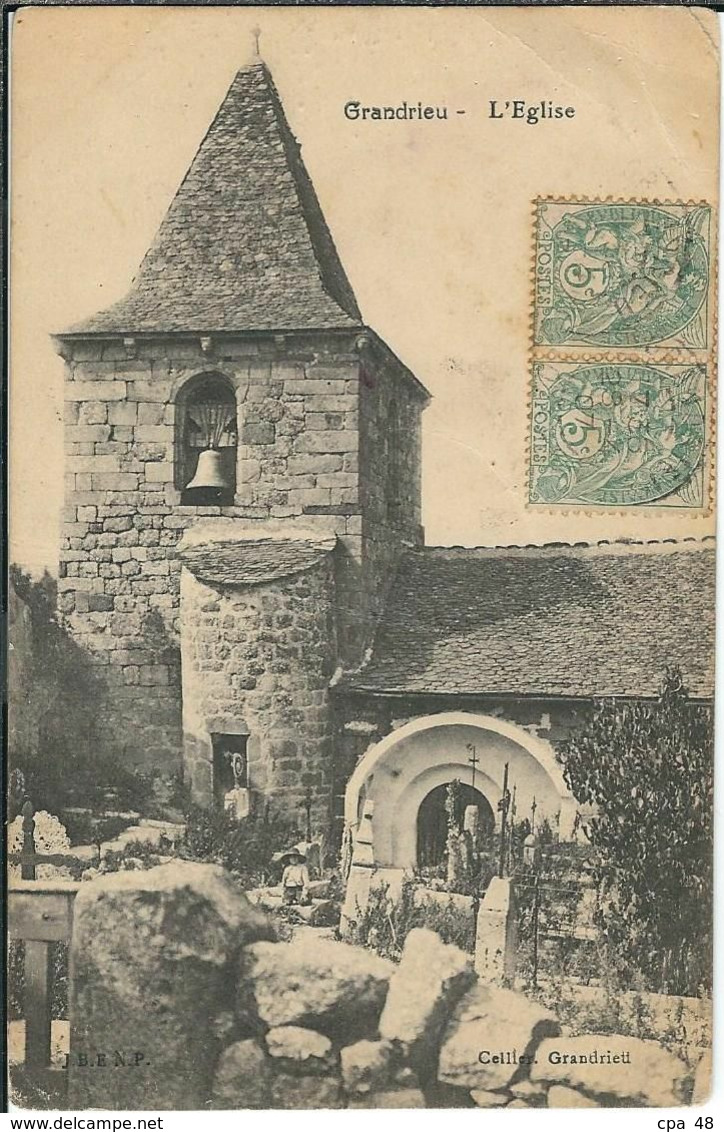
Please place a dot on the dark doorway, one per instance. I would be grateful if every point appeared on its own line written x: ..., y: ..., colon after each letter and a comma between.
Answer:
x: 432, y: 821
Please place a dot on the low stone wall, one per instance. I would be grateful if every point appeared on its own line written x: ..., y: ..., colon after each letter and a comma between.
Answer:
x: 184, y: 999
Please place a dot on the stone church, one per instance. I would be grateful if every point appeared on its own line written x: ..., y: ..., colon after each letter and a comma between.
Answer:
x: 243, y: 559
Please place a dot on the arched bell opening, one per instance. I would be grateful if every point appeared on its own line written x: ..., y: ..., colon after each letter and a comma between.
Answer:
x: 432, y: 820
x: 207, y: 442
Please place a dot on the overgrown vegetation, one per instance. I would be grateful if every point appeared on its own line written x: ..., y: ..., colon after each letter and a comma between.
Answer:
x: 59, y: 694
x: 549, y: 903
x: 385, y: 923
x: 648, y: 770
x: 56, y: 750
x: 245, y: 848
x: 613, y: 1009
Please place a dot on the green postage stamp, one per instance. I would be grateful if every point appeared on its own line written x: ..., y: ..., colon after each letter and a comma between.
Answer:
x: 621, y: 275
x: 618, y: 434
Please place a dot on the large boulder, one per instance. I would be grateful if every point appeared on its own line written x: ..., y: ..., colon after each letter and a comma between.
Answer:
x: 317, y: 983
x: 484, y: 1098
x: 290, y: 1091
x: 560, y: 1096
x: 533, y: 1093
x: 242, y: 1078
x: 152, y: 954
x: 617, y: 1069
x: 491, y: 1038
x: 430, y: 979
x: 294, y: 1049
x: 369, y: 1067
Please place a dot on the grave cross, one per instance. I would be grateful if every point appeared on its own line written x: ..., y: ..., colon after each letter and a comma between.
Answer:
x: 503, y: 806
x: 473, y: 760
x: 513, y: 812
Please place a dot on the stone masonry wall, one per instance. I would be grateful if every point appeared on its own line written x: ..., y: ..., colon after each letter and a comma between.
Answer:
x: 234, y: 1020
x: 390, y: 448
x: 257, y: 661
x: 299, y: 420
x: 390, y: 478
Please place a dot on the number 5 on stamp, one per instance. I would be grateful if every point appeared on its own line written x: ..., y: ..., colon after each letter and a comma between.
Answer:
x: 618, y: 435
x: 622, y: 275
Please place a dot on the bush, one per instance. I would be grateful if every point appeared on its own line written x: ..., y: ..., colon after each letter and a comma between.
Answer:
x: 60, y: 696
x: 647, y: 769
x: 134, y: 855
x: 383, y: 926
x: 563, y: 875
x: 244, y: 847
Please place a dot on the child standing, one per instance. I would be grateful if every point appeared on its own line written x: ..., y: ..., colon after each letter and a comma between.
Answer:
x: 295, y: 879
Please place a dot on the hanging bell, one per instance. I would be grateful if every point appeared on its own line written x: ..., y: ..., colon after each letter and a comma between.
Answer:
x: 209, y: 475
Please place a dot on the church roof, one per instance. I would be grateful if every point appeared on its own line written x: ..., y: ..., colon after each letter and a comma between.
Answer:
x: 244, y: 245
x: 546, y: 621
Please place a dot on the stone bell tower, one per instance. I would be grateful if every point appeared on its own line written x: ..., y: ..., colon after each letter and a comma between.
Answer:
x: 242, y: 474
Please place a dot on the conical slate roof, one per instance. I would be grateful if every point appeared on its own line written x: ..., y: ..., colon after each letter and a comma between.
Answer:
x: 244, y: 244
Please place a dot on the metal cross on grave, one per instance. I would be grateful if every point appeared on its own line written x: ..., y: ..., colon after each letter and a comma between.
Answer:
x: 503, y: 806
x: 473, y: 760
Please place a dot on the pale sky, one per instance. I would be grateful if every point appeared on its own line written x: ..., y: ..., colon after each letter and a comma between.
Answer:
x: 432, y: 220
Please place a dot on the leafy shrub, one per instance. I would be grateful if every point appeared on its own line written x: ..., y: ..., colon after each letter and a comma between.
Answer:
x: 244, y: 847
x: 384, y: 924
x: 133, y: 855
x: 60, y: 694
x: 647, y: 768
x: 60, y: 761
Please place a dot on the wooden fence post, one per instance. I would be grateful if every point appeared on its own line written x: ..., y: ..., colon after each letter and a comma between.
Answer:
x: 38, y: 976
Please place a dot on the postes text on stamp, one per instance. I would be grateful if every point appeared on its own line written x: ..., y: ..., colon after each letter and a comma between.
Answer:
x: 618, y: 435
x: 616, y: 275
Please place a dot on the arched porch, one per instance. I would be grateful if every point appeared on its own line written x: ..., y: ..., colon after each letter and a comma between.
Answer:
x: 400, y: 771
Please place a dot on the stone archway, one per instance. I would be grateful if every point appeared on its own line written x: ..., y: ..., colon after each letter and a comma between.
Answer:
x: 400, y: 771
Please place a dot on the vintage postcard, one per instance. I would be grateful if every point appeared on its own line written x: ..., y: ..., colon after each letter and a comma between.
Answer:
x: 361, y: 605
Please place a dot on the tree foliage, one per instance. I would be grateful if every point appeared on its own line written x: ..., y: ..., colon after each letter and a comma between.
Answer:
x: 60, y: 694
x: 647, y: 769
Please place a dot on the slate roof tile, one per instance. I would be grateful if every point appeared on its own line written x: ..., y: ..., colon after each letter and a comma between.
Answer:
x: 251, y: 562
x: 550, y: 621
x: 244, y: 244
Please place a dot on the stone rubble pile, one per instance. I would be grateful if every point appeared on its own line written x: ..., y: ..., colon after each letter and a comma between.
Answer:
x: 176, y: 961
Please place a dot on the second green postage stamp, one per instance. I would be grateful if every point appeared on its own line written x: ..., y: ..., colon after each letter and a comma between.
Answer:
x: 616, y: 275
x: 618, y: 435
